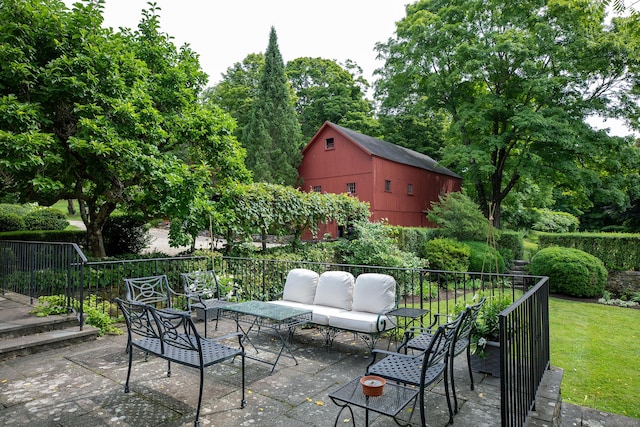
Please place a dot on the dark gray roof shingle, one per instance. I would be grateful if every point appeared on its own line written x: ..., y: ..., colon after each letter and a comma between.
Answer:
x: 395, y: 153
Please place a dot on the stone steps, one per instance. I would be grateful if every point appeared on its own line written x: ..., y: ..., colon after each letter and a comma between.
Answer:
x: 23, y: 333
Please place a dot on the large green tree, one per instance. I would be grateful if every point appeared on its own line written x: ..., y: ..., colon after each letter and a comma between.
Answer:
x: 272, y: 137
x: 111, y: 119
x: 327, y: 91
x: 518, y: 81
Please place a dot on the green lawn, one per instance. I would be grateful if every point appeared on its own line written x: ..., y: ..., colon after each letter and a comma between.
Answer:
x: 598, y: 347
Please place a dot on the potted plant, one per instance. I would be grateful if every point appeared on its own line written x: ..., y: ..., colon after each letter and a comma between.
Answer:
x: 485, y: 336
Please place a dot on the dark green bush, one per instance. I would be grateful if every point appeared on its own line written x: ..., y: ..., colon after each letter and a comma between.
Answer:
x: 69, y: 236
x: 571, y: 271
x: 459, y: 217
x: 617, y: 251
x: 10, y: 222
x: 484, y: 258
x: 511, y: 241
x: 124, y: 234
x: 20, y: 210
x: 45, y: 219
x: 447, y: 255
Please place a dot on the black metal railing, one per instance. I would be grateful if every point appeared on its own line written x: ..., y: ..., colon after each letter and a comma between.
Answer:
x: 524, y: 352
x: 36, y: 269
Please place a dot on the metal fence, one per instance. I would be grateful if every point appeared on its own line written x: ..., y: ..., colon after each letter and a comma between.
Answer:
x: 524, y: 348
x: 35, y: 269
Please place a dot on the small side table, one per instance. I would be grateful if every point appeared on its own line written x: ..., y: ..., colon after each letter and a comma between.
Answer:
x: 390, y: 403
x: 411, y: 315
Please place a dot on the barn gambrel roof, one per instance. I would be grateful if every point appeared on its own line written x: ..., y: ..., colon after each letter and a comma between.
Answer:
x: 395, y: 153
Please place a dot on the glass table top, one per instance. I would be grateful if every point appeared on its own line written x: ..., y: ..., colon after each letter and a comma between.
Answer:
x: 267, y: 310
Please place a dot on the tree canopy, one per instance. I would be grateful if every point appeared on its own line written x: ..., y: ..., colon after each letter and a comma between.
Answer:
x: 111, y: 119
x: 272, y: 136
x: 518, y: 82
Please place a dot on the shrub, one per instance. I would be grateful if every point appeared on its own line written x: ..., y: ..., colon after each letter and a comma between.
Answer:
x: 45, y: 219
x: 555, y: 222
x: 10, y: 222
x: 20, y: 210
x: 511, y: 242
x: 459, y: 217
x: 571, y: 271
x: 447, y: 255
x: 373, y: 246
x: 124, y: 234
x: 484, y: 258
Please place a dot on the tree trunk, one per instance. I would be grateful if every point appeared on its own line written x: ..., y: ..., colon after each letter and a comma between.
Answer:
x: 96, y: 243
x: 70, y: 207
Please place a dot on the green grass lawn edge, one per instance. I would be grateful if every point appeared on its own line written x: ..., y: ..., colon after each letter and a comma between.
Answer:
x: 598, y: 347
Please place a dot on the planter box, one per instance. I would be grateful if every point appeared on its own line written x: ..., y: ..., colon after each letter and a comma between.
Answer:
x: 490, y: 364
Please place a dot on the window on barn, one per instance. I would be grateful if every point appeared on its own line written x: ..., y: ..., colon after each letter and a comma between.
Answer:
x: 317, y: 188
x: 387, y: 185
x: 329, y: 144
x: 410, y: 189
x: 351, y: 188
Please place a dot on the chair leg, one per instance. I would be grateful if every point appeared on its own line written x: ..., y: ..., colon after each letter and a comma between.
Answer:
x: 453, y: 385
x: 168, y: 368
x: 206, y: 320
x: 446, y: 392
x: 469, y: 366
x: 196, y: 423
x: 126, y: 384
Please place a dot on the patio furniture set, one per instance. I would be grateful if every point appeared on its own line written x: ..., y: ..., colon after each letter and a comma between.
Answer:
x: 334, y: 302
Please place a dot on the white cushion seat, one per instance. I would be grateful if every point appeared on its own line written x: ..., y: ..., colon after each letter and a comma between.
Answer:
x: 368, y: 323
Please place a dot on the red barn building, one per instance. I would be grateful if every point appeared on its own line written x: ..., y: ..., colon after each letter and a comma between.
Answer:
x: 398, y: 183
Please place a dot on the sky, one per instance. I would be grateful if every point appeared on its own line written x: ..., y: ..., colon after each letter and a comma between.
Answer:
x: 225, y: 32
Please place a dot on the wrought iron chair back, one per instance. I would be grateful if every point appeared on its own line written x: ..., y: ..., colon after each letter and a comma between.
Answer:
x: 424, y: 368
x: 151, y: 290
x: 172, y: 335
x: 202, y: 291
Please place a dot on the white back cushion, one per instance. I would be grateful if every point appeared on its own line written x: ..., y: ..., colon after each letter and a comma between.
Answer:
x: 335, y: 289
x: 300, y: 286
x: 374, y: 293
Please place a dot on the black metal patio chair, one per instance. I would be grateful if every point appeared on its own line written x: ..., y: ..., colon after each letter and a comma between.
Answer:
x: 151, y: 290
x: 422, y: 369
x: 172, y: 335
x: 419, y: 338
x: 202, y: 290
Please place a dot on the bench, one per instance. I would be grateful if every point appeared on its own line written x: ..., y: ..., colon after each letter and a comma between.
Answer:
x: 341, y: 304
x: 172, y: 335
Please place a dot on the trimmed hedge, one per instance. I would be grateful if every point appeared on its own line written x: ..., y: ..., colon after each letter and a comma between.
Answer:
x: 45, y: 219
x: 478, y: 260
x: 447, y: 255
x: 10, y: 222
x: 618, y: 251
x: 510, y: 244
x: 69, y: 236
x: 571, y: 271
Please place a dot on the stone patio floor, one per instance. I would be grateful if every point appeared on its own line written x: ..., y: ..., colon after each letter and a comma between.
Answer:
x: 83, y: 385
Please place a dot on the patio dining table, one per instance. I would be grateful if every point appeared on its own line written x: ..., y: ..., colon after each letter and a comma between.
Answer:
x: 282, y: 320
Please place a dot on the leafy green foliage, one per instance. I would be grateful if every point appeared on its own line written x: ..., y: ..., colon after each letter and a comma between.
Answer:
x: 618, y: 251
x: 326, y: 91
x: 555, y: 222
x: 510, y: 244
x: 373, y: 246
x: 111, y: 119
x: 458, y: 217
x: 571, y: 271
x: 125, y: 234
x: 96, y: 310
x: 272, y: 137
x: 484, y: 258
x: 516, y: 100
x: 10, y: 221
x: 411, y: 239
x: 447, y: 255
x: 487, y: 326
x: 45, y: 219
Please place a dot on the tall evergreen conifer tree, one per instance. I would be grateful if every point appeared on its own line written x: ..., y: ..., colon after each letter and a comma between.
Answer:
x: 273, y: 137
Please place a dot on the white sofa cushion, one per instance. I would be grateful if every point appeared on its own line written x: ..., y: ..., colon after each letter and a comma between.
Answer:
x: 323, y: 314
x: 374, y: 293
x: 362, y: 322
x: 300, y: 286
x: 335, y: 289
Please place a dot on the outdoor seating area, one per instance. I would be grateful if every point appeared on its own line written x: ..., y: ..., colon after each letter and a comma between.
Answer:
x: 94, y: 374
